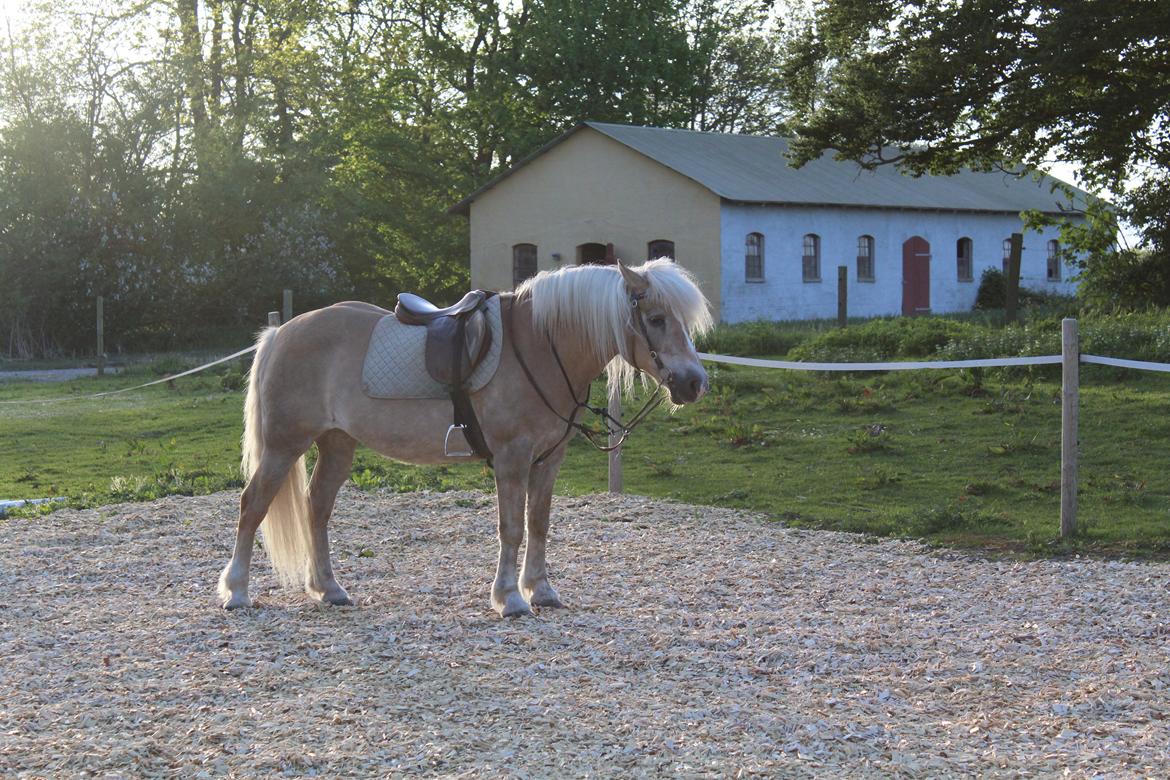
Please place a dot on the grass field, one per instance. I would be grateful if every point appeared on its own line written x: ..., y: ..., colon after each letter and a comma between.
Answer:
x: 930, y: 454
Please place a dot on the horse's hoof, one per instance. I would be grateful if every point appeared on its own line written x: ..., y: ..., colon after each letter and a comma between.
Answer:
x: 544, y: 595
x: 513, y: 605
x: 237, y: 602
x: 331, y: 596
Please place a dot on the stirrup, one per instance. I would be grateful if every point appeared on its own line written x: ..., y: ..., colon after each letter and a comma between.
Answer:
x: 447, y: 443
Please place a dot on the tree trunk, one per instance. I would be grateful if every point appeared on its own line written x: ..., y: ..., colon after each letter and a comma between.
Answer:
x: 192, y: 61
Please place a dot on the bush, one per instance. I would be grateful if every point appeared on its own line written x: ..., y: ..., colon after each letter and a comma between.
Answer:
x: 1133, y: 335
x: 756, y: 338
x: 883, y: 339
x: 1131, y: 278
x: 1014, y: 341
x: 992, y: 290
x: 992, y: 294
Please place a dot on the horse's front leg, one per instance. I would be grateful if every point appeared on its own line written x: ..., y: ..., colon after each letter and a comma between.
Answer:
x: 511, y: 480
x: 534, y: 579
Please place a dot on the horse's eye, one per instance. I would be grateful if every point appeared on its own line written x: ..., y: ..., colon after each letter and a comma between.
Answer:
x: 658, y: 321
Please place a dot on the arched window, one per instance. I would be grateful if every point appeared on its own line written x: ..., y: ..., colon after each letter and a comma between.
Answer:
x: 811, y: 258
x: 660, y: 248
x: 753, y: 257
x: 865, y: 258
x: 523, y: 262
x: 1007, y: 255
x: 592, y: 253
x: 1054, y: 261
x: 964, y: 261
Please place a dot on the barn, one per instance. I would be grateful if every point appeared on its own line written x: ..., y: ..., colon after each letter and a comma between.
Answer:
x: 764, y: 239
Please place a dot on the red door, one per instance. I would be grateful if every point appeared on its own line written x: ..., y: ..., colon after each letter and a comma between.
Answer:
x: 916, y: 276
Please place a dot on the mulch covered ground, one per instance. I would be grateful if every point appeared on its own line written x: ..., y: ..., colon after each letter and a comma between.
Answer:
x: 696, y: 642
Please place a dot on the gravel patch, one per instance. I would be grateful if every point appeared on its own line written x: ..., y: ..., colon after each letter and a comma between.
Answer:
x: 696, y: 642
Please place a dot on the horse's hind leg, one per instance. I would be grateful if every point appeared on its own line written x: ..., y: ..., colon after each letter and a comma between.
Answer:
x: 534, y: 582
x: 254, y: 503
x: 334, y: 459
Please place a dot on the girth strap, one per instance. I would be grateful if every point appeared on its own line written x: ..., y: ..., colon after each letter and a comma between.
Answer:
x: 465, y: 416
x: 461, y: 400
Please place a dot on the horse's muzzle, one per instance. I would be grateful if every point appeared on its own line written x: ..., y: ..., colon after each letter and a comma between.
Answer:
x: 688, y: 386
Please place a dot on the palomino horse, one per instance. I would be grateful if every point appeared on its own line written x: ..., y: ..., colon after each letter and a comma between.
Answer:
x: 305, y: 388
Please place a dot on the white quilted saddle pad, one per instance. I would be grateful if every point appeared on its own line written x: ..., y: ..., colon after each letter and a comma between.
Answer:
x: 396, y: 366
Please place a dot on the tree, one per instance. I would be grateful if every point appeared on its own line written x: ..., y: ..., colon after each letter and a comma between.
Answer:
x: 935, y: 86
x: 187, y: 159
x: 735, y: 68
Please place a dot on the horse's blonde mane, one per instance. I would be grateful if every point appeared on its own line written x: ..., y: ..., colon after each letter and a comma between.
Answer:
x: 591, y: 301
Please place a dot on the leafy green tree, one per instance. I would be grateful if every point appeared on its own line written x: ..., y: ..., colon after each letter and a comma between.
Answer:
x: 735, y: 68
x: 187, y: 159
x: 935, y: 86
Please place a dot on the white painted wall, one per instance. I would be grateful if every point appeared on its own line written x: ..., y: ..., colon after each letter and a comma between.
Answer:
x: 784, y: 296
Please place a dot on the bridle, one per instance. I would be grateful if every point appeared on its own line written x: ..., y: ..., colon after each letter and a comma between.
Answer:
x: 613, y: 425
x: 634, y: 299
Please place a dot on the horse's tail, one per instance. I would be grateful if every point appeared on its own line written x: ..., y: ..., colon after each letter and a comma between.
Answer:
x: 285, y: 529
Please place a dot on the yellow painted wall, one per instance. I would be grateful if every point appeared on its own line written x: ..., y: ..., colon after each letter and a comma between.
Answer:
x: 592, y: 189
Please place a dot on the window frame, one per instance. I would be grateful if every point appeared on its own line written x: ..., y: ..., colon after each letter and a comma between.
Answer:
x: 759, y: 257
x: 1053, y: 271
x: 1007, y: 255
x: 865, y: 259
x: 814, y: 259
x: 517, y: 258
x: 652, y: 255
x: 966, y: 242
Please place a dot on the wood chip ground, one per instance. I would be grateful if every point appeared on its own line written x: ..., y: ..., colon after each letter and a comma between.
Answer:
x: 697, y: 642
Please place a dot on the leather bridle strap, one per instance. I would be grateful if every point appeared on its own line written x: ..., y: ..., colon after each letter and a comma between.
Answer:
x: 634, y: 299
x: 613, y: 425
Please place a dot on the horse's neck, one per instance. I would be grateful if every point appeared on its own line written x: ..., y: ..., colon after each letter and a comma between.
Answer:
x: 577, y: 355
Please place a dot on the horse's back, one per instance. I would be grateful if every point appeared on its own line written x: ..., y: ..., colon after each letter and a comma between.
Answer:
x: 359, y: 306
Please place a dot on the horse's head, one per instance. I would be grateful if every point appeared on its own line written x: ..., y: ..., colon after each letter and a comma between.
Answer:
x: 666, y: 310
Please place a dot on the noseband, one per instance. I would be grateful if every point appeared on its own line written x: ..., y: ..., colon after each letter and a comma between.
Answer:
x: 613, y: 425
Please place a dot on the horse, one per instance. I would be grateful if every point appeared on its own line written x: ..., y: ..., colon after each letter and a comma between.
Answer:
x: 561, y: 330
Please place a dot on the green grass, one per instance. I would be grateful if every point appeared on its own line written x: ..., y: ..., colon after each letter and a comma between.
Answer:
x: 934, y: 455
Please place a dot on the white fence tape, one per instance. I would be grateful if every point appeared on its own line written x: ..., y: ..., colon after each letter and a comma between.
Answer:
x: 188, y: 372
x: 895, y: 366
x: 1141, y: 365
x: 795, y: 365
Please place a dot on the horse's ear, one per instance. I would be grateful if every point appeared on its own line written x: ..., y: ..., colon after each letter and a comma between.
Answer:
x: 634, y: 280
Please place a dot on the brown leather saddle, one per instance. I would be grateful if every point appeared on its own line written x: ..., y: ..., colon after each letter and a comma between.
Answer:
x: 458, y: 338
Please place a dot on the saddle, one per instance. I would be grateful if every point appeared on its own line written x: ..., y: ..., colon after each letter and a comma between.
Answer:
x: 458, y: 337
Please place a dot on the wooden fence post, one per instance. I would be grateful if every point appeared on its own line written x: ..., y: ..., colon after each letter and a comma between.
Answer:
x: 842, y: 295
x: 1012, y: 281
x: 101, y: 336
x: 274, y: 319
x: 615, y: 455
x: 287, y: 307
x: 1069, y: 419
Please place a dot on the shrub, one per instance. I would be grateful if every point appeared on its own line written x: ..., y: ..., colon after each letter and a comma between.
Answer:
x: 883, y: 339
x: 1013, y: 341
x: 992, y: 294
x: 755, y: 338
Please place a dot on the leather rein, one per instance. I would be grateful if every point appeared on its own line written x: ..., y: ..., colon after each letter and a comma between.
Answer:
x: 613, y: 425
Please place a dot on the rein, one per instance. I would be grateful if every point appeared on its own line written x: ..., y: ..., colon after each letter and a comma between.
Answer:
x: 614, y: 425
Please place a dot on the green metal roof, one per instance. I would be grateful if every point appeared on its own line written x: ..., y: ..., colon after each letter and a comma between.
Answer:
x: 755, y: 169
